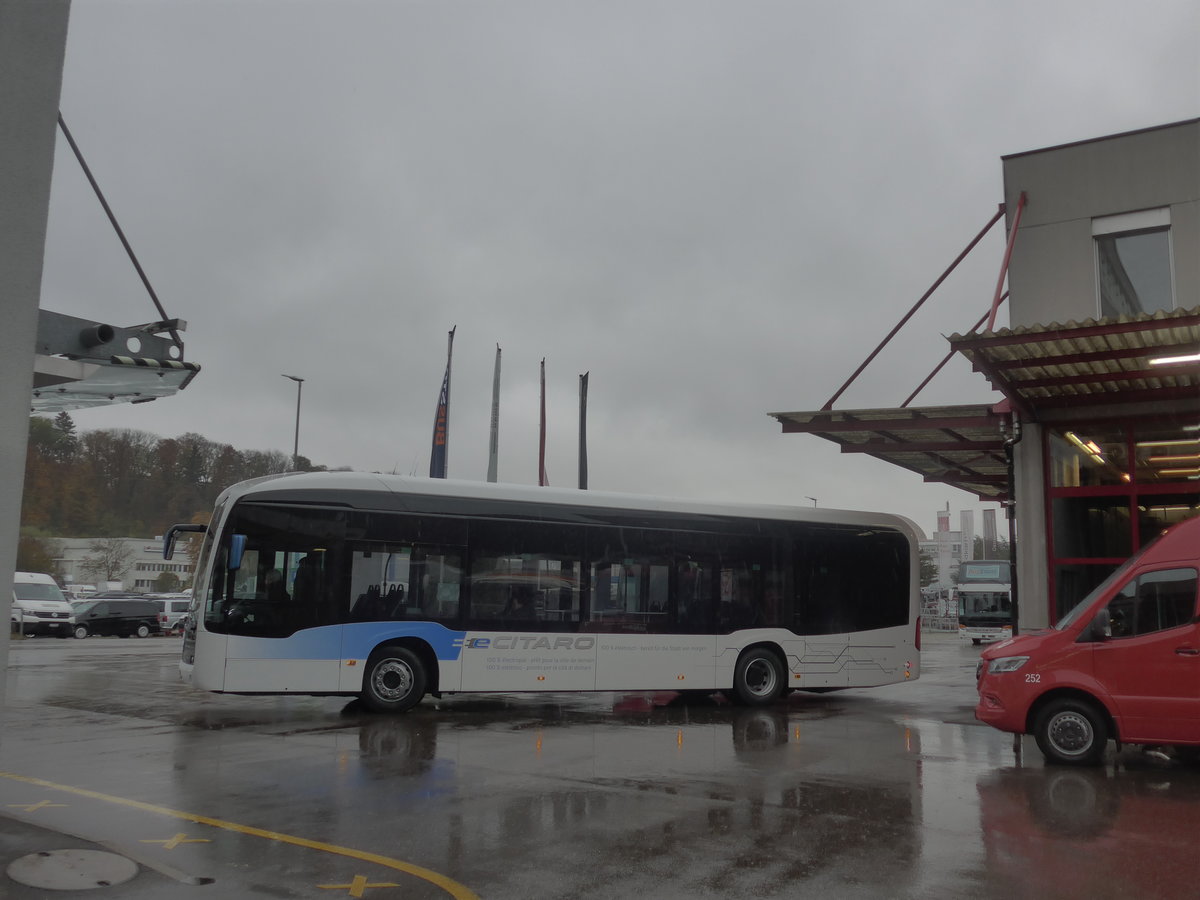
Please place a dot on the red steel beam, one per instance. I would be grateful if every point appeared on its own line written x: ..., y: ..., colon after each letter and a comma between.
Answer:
x: 1066, y: 359
x: 972, y: 342
x: 891, y: 334
x: 1012, y: 239
x: 928, y: 378
x: 823, y: 424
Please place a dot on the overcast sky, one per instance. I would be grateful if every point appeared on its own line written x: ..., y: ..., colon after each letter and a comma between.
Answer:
x: 716, y: 209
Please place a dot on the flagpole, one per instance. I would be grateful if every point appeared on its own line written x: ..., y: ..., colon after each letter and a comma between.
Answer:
x: 583, y: 462
x: 543, y: 481
x: 439, y: 454
x: 494, y: 446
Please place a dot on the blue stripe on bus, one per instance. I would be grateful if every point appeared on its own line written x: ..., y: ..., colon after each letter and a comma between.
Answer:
x: 360, y: 638
x: 355, y: 640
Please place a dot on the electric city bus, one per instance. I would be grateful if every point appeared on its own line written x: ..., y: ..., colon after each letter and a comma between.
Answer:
x: 391, y: 587
x: 983, y: 598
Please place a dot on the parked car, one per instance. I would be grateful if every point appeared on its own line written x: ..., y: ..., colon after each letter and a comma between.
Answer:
x: 38, y: 605
x: 119, y: 616
x: 171, y: 613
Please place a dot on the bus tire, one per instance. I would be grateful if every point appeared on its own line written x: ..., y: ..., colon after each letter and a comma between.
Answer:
x: 394, y: 681
x: 757, y: 678
x: 1071, y: 732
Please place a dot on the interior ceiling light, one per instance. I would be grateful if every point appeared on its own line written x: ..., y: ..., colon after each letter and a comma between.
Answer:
x: 1173, y: 360
x: 1091, y: 448
x: 1183, y: 442
x: 1190, y: 457
x: 1187, y: 472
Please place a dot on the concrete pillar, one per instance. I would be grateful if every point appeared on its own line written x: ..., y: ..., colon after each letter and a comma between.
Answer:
x: 33, y: 40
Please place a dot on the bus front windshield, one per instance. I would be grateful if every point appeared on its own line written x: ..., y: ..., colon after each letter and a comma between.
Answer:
x: 302, y: 568
x: 985, y: 604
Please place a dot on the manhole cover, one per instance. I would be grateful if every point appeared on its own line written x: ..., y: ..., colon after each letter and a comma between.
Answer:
x: 71, y: 870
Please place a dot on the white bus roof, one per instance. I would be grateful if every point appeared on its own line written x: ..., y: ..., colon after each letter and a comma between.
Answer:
x: 302, y: 482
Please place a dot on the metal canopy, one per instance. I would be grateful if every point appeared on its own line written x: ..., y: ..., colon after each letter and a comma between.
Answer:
x: 1045, y: 370
x: 962, y: 446
x: 81, y: 364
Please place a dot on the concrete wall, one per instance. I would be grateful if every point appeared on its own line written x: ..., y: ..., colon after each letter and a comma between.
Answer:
x: 1052, y: 277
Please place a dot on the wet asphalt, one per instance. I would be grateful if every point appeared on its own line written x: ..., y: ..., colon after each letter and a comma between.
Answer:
x: 884, y: 792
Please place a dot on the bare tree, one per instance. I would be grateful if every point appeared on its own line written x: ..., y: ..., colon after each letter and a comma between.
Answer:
x: 108, y: 559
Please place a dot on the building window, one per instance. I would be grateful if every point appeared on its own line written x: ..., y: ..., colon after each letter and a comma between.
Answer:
x: 1133, y: 263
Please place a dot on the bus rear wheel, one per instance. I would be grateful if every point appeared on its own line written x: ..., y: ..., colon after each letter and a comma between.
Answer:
x: 757, y: 678
x: 395, y: 680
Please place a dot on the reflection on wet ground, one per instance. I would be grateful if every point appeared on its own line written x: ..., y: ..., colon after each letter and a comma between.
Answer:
x: 892, y: 792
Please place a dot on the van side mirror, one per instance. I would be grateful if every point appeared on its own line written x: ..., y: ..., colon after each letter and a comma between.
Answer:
x: 1098, y: 631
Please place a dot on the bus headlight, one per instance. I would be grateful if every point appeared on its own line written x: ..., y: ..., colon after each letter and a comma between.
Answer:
x: 1006, y: 664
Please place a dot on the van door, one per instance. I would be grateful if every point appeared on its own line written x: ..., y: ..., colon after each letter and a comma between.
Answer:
x: 1151, y: 664
x: 96, y: 618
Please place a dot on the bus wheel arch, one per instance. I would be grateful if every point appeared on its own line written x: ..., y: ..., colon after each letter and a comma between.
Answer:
x: 398, y: 674
x: 759, y: 676
x: 1071, y: 728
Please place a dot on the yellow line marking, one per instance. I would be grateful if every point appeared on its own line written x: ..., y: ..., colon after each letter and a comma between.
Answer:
x: 449, y: 885
x: 358, y: 885
x: 180, y: 838
x: 34, y: 807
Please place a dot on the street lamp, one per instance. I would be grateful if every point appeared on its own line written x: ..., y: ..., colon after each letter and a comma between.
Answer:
x: 296, y: 446
x: 813, y: 499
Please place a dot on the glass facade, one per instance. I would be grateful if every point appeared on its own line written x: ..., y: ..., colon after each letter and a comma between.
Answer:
x: 1112, y: 488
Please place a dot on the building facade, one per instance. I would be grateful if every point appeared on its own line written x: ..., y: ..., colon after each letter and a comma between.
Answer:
x: 137, y: 563
x: 1110, y: 234
x: 949, y: 548
x: 1096, y: 443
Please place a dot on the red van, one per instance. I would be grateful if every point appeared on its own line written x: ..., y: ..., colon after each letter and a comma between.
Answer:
x: 1123, y: 664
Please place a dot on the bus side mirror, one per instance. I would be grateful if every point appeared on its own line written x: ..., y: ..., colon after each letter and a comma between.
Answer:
x: 169, y: 537
x: 237, y: 549
x: 1098, y: 631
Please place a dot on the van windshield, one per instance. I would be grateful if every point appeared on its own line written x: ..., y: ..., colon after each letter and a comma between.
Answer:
x: 38, y: 592
x: 1079, y: 608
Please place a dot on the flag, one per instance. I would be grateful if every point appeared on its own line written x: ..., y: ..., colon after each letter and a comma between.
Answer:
x: 441, y: 421
x: 543, y: 481
x: 583, y: 472
x: 494, y: 445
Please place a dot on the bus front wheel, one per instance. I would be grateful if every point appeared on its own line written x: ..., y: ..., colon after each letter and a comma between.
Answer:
x: 395, y: 680
x: 757, y: 678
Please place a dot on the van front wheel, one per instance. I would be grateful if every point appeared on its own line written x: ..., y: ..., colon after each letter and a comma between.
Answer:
x: 1071, y: 732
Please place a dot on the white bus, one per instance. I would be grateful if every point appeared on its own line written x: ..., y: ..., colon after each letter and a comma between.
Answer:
x: 983, y: 598
x: 388, y: 588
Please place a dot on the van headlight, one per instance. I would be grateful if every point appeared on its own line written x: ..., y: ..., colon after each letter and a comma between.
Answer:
x: 1006, y: 664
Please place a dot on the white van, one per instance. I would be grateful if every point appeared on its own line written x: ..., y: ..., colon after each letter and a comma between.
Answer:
x: 39, y: 607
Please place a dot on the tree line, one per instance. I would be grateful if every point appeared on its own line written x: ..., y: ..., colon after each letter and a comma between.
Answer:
x: 128, y: 483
